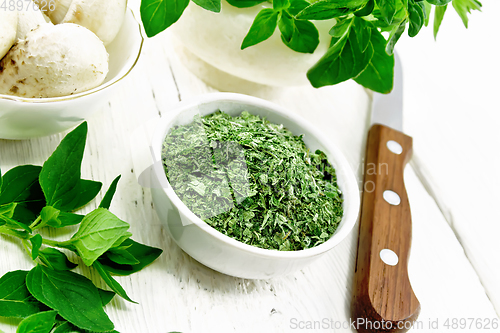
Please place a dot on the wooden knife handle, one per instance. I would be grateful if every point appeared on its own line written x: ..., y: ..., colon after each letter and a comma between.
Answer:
x: 383, y: 300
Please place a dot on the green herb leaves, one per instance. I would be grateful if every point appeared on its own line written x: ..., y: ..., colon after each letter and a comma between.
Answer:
x: 60, y: 175
x: 158, y: 15
x: 211, y: 5
x: 438, y: 18
x: 38, y: 323
x: 328, y: 9
x: 142, y: 253
x: 347, y: 57
x: 261, y: 185
x: 75, y: 297
x: 34, y: 197
x: 463, y: 7
x: 262, y: 27
x: 98, y: 232
x: 15, y: 299
x: 298, y: 34
x: 416, y: 17
x: 20, y: 185
x: 378, y: 75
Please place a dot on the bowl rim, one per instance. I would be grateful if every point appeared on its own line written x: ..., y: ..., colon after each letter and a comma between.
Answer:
x: 351, y: 204
x: 88, y: 92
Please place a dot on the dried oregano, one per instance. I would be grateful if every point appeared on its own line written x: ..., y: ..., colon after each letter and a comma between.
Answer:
x: 254, y: 181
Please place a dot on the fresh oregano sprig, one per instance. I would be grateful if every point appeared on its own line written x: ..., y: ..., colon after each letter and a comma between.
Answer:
x: 360, y: 52
x: 50, y: 297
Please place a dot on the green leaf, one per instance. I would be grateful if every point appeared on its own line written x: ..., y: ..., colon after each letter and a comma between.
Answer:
x: 145, y: 254
x: 68, y: 219
x: 438, y: 2
x: 244, y: 3
x: 341, y: 28
x: 394, y: 36
x: 427, y: 12
x: 88, y: 191
x: 106, y: 201
x: 438, y: 18
x: 366, y: 10
x: 323, y: 10
x: 463, y: 7
x: 20, y: 185
x: 36, y: 242
x: 67, y: 327
x: 211, y: 5
x: 60, y: 175
x: 379, y: 74
x: 281, y: 4
x: 7, y: 210
x: 110, y: 281
x: 122, y: 256
x: 73, y: 296
x: 98, y: 232
x: 296, y: 6
x: 10, y: 222
x: 15, y: 299
x: 56, y: 260
x: 262, y: 27
x: 106, y: 296
x: 346, y: 59
x: 50, y: 216
x: 38, y: 323
x: 64, y: 327
x: 416, y: 12
x: 56, y: 219
x: 387, y: 9
x: 300, y: 36
x: 158, y: 15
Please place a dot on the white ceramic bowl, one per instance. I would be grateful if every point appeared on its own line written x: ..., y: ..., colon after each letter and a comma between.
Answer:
x: 218, y: 251
x: 24, y: 118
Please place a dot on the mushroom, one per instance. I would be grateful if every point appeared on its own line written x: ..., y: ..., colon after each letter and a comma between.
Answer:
x: 102, y: 17
x: 8, y: 30
x: 29, y: 19
x: 53, y: 61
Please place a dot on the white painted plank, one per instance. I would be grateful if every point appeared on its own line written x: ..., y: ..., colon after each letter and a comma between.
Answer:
x: 452, y: 110
x: 176, y: 292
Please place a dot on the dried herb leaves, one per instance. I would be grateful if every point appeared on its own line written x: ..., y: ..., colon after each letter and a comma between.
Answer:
x: 254, y: 181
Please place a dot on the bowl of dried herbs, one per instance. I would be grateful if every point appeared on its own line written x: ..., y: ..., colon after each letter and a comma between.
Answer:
x: 249, y: 189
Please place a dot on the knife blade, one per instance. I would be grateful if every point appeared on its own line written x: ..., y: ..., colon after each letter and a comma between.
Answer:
x: 383, y: 299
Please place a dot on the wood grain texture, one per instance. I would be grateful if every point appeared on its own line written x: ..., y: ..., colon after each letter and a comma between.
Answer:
x: 382, y: 294
x: 176, y: 293
x: 458, y: 130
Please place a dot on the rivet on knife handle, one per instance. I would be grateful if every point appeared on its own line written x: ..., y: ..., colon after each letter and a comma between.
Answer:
x: 383, y: 300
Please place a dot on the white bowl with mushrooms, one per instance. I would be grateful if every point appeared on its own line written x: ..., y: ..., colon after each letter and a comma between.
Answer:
x: 58, y: 66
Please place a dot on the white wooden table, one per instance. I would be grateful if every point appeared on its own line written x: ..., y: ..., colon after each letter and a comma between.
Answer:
x: 452, y: 186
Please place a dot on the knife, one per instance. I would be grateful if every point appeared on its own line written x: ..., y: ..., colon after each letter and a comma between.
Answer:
x: 383, y: 300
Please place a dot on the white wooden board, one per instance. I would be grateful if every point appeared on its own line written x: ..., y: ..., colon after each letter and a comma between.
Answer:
x: 178, y: 294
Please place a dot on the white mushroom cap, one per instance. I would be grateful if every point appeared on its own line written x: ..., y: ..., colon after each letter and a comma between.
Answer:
x: 29, y: 19
x: 8, y: 28
x: 53, y: 61
x: 102, y: 17
x: 60, y: 8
